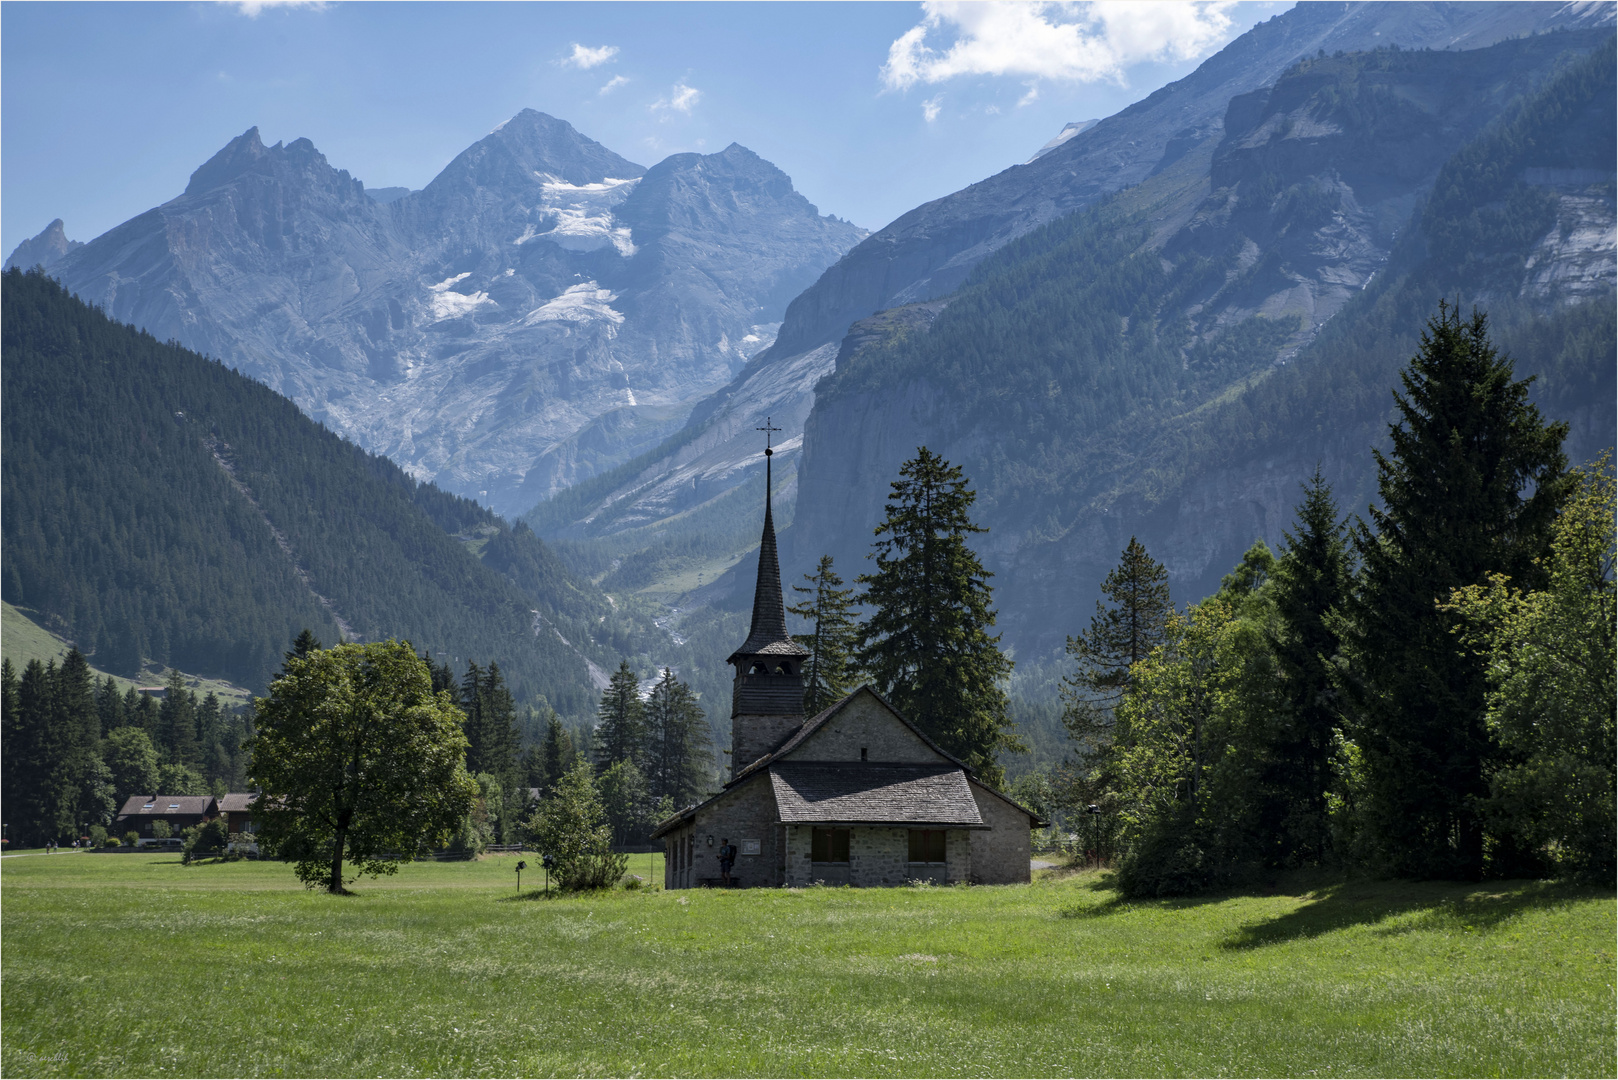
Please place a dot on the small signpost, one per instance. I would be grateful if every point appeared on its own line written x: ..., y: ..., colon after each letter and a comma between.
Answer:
x: 521, y: 866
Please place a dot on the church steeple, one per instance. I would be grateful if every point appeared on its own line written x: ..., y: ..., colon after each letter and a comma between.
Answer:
x: 767, y: 695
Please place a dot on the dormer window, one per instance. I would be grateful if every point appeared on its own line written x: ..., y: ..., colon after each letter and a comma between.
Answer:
x: 864, y: 754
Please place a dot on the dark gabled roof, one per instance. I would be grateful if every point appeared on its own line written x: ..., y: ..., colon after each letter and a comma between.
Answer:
x: 161, y: 805
x: 820, y: 719
x: 237, y: 801
x: 1038, y: 822
x: 860, y: 793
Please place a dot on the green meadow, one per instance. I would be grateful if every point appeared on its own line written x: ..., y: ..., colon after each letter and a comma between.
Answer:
x: 134, y: 965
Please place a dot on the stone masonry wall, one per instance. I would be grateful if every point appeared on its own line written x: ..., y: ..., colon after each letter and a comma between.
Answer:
x: 751, y: 737
x: 1000, y: 855
x: 747, y: 812
x: 876, y: 857
x: 865, y: 723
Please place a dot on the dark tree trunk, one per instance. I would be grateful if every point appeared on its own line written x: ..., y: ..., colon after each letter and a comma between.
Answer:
x: 336, y: 884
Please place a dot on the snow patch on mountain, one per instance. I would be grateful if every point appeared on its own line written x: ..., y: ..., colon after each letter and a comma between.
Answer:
x: 449, y: 304
x: 581, y: 214
x: 584, y: 303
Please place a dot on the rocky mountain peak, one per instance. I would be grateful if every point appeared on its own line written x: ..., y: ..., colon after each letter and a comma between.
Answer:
x: 534, y: 148
x: 246, y: 155
x: 44, y: 249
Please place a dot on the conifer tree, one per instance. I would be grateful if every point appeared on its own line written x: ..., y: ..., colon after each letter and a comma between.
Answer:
x: 557, y: 755
x: 491, y: 723
x: 1131, y: 622
x: 620, y: 733
x: 927, y: 644
x: 178, y: 720
x: 830, y: 672
x: 85, y: 786
x: 32, y: 749
x: 110, y: 705
x: 679, y: 753
x: 1471, y: 488
x: 1310, y: 582
x: 304, y: 644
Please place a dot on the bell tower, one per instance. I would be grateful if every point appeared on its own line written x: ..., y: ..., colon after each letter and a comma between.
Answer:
x: 766, y: 703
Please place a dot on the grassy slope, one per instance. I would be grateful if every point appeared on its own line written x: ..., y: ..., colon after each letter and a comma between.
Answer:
x: 438, y: 971
x: 22, y: 640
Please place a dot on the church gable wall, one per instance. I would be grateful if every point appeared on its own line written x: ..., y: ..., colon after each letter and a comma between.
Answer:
x: 1000, y: 855
x: 865, y: 723
x: 746, y: 812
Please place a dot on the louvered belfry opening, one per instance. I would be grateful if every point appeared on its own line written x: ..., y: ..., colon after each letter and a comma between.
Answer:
x: 766, y: 704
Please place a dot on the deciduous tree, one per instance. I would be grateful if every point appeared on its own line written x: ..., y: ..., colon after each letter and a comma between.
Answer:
x: 358, y: 760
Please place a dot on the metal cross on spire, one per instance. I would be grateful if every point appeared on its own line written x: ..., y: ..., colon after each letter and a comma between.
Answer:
x: 767, y: 429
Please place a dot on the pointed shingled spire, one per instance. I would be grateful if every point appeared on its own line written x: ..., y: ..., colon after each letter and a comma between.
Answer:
x: 769, y: 610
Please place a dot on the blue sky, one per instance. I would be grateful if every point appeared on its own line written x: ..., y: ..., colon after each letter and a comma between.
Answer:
x: 872, y: 108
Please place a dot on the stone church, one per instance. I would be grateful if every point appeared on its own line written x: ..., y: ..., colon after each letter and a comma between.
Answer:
x: 854, y: 796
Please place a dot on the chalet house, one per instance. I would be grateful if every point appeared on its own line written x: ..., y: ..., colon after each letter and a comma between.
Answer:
x: 237, y: 810
x: 180, y: 811
x: 857, y: 795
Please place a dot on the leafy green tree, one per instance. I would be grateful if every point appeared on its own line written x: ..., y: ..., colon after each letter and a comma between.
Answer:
x: 358, y: 759
x: 571, y: 828
x: 1193, y: 735
x: 1471, y: 488
x: 1310, y: 582
x: 927, y: 643
x: 831, y: 671
x: 175, y: 779
x: 132, y: 760
x: 1128, y: 624
x: 620, y: 733
x: 679, y: 749
x: 627, y: 801
x: 1551, y: 657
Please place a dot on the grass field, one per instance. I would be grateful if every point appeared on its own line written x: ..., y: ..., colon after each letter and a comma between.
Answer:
x: 135, y: 965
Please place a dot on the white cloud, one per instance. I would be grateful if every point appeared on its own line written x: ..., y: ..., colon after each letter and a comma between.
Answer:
x: 1030, y: 97
x: 930, y: 107
x: 681, y: 99
x: 585, y: 57
x: 1085, y: 42
x: 612, y: 84
x: 252, y: 8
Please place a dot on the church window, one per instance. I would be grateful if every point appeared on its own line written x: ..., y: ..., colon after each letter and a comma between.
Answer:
x: 759, y: 669
x: 926, y: 845
x: 829, y: 845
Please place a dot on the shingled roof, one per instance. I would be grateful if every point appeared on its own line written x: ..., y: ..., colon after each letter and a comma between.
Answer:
x: 162, y: 805
x: 859, y: 793
x: 768, y: 635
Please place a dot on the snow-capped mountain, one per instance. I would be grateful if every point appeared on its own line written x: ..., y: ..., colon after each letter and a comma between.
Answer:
x: 473, y: 328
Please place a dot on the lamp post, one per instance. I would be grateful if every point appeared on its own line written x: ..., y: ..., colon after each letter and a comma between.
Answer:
x: 1094, y: 812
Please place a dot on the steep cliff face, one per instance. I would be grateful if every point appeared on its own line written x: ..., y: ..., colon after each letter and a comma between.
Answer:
x: 1172, y: 364
x: 929, y: 251
x: 470, y: 329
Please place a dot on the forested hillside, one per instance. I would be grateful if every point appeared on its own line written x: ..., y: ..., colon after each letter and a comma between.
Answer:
x: 159, y: 506
x: 1172, y: 362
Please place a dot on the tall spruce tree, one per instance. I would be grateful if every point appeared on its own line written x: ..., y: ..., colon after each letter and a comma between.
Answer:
x: 1471, y: 488
x: 33, y: 751
x: 1128, y: 624
x: 927, y: 643
x: 557, y: 754
x: 831, y: 671
x: 620, y: 733
x: 679, y: 751
x: 86, y: 785
x: 178, y: 719
x: 491, y: 723
x: 1310, y: 582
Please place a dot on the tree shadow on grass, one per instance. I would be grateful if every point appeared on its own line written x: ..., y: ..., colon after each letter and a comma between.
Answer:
x: 1407, y: 906
x: 1118, y: 903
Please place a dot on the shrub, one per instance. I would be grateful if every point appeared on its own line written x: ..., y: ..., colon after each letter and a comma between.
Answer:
x: 132, y: 838
x: 571, y: 830
x: 98, y: 835
x: 209, y: 838
x: 112, y: 842
x: 161, y: 829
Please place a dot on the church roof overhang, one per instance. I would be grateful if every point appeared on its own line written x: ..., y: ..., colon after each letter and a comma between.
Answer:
x: 870, y: 793
x: 768, y: 648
